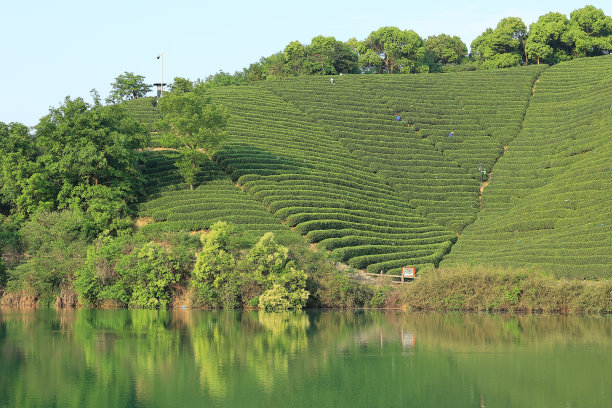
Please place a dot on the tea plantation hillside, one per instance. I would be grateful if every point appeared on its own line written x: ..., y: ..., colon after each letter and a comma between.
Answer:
x: 173, y: 207
x: 332, y: 163
x: 144, y: 110
x: 435, y: 174
x: 549, y: 203
x: 315, y: 184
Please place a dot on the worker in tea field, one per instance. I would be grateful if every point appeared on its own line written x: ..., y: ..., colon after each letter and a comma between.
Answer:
x: 398, y: 117
x: 451, y: 134
x: 331, y: 80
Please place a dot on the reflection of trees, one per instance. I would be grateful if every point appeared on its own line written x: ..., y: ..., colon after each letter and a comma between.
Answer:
x: 125, y: 358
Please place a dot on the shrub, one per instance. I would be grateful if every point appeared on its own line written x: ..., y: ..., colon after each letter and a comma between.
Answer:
x: 284, y: 284
x: 215, y: 277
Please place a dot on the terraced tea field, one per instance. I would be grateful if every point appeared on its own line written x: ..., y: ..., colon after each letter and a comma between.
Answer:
x: 173, y: 207
x: 437, y: 175
x: 333, y: 164
x: 549, y: 203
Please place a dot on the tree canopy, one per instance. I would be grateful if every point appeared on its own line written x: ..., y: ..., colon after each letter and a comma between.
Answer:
x: 548, y: 41
x: 128, y: 86
x: 392, y: 50
x: 502, y: 47
x: 590, y: 32
x: 443, y: 49
x: 81, y: 157
x: 195, y: 123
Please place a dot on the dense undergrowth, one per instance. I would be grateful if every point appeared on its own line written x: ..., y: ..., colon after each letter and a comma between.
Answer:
x: 494, y: 289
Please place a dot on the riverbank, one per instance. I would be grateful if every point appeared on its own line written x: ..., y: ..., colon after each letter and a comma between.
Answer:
x: 469, y: 289
x: 495, y: 289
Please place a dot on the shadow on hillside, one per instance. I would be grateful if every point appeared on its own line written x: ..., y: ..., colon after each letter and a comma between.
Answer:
x: 239, y: 159
x: 161, y: 173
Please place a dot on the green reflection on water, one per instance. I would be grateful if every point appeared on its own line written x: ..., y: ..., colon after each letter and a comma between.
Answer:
x: 130, y: 358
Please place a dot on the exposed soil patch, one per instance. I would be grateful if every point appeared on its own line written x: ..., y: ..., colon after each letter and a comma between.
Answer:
x: 19, y: 300
x: 142, y: 221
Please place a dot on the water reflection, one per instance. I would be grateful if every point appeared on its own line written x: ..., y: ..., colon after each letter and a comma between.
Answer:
x: 187, y: 358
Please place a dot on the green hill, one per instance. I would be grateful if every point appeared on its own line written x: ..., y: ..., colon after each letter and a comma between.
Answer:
x: 332, y: 162
x: 549, y: 202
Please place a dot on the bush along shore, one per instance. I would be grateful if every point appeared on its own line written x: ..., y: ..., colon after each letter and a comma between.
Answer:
x: 497, y: 289
x: 271, y: 277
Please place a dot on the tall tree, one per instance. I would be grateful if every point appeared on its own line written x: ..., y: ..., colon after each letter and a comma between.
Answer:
x: 502, y: 47
x: 197, y: 125
x: 88, y: 163
x: 547, y: 40
x: 128, y: 86
x: 392, y: 50
x: 590, y: 32
x: 443, y: 49
x: 18, y: 154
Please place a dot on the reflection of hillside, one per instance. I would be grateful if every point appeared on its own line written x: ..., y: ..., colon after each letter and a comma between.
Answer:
x: 464, y: 332
x: 134, y: 358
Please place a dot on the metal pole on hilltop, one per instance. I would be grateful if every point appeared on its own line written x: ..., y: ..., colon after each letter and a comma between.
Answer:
x: 161, y: 85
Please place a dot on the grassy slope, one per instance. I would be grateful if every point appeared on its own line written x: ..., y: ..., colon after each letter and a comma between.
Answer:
x: 548, y: 204
x: 332, y: 162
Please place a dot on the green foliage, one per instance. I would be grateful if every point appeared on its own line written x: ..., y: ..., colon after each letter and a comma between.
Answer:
x: 548, y: 40
x: 81, y: 157
x: 392, y: 50
x: 181, y: 85
x: 196, y: 124
x: 149, y: 273
x: 132, y: 270
x: 503, y: 47
x: 284, y: 285
x: 221, y: 277
x: 56, y: 245
x: 590, y: 32
x: 215, y: 277
x: 443, y: 49
x: 128, y: 86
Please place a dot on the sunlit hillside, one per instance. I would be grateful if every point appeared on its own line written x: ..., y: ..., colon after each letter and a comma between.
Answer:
x: 332, y: 162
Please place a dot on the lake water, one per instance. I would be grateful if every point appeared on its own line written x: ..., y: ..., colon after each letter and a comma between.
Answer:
x: 126, y: 358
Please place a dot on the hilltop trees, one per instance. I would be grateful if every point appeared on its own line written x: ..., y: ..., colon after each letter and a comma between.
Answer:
x: 552, y: 39
x: 195, y: 123
x: 391, y: 50
x: 128, y: 86
x: 81, y: 158
x: 324, y: 56
x: 590, y: 32
x: 443, y: 49
x: 548, y: 41
x: 502, y: 47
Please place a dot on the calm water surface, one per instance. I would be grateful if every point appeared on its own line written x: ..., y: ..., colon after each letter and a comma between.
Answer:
x: 184, y: 359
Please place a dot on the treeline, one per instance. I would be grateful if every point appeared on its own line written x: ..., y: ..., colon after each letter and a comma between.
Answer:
x: 69, y: 189
x: 552, y: 39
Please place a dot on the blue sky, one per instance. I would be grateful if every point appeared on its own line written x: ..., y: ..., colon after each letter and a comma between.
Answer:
x: 52, y: 49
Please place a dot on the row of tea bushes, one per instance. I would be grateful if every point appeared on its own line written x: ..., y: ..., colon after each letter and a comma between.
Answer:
x: 548, y: 203
x: 312, y: 182
x: 435, y: 174
x: 172, y: 206
x: 144, y: 110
